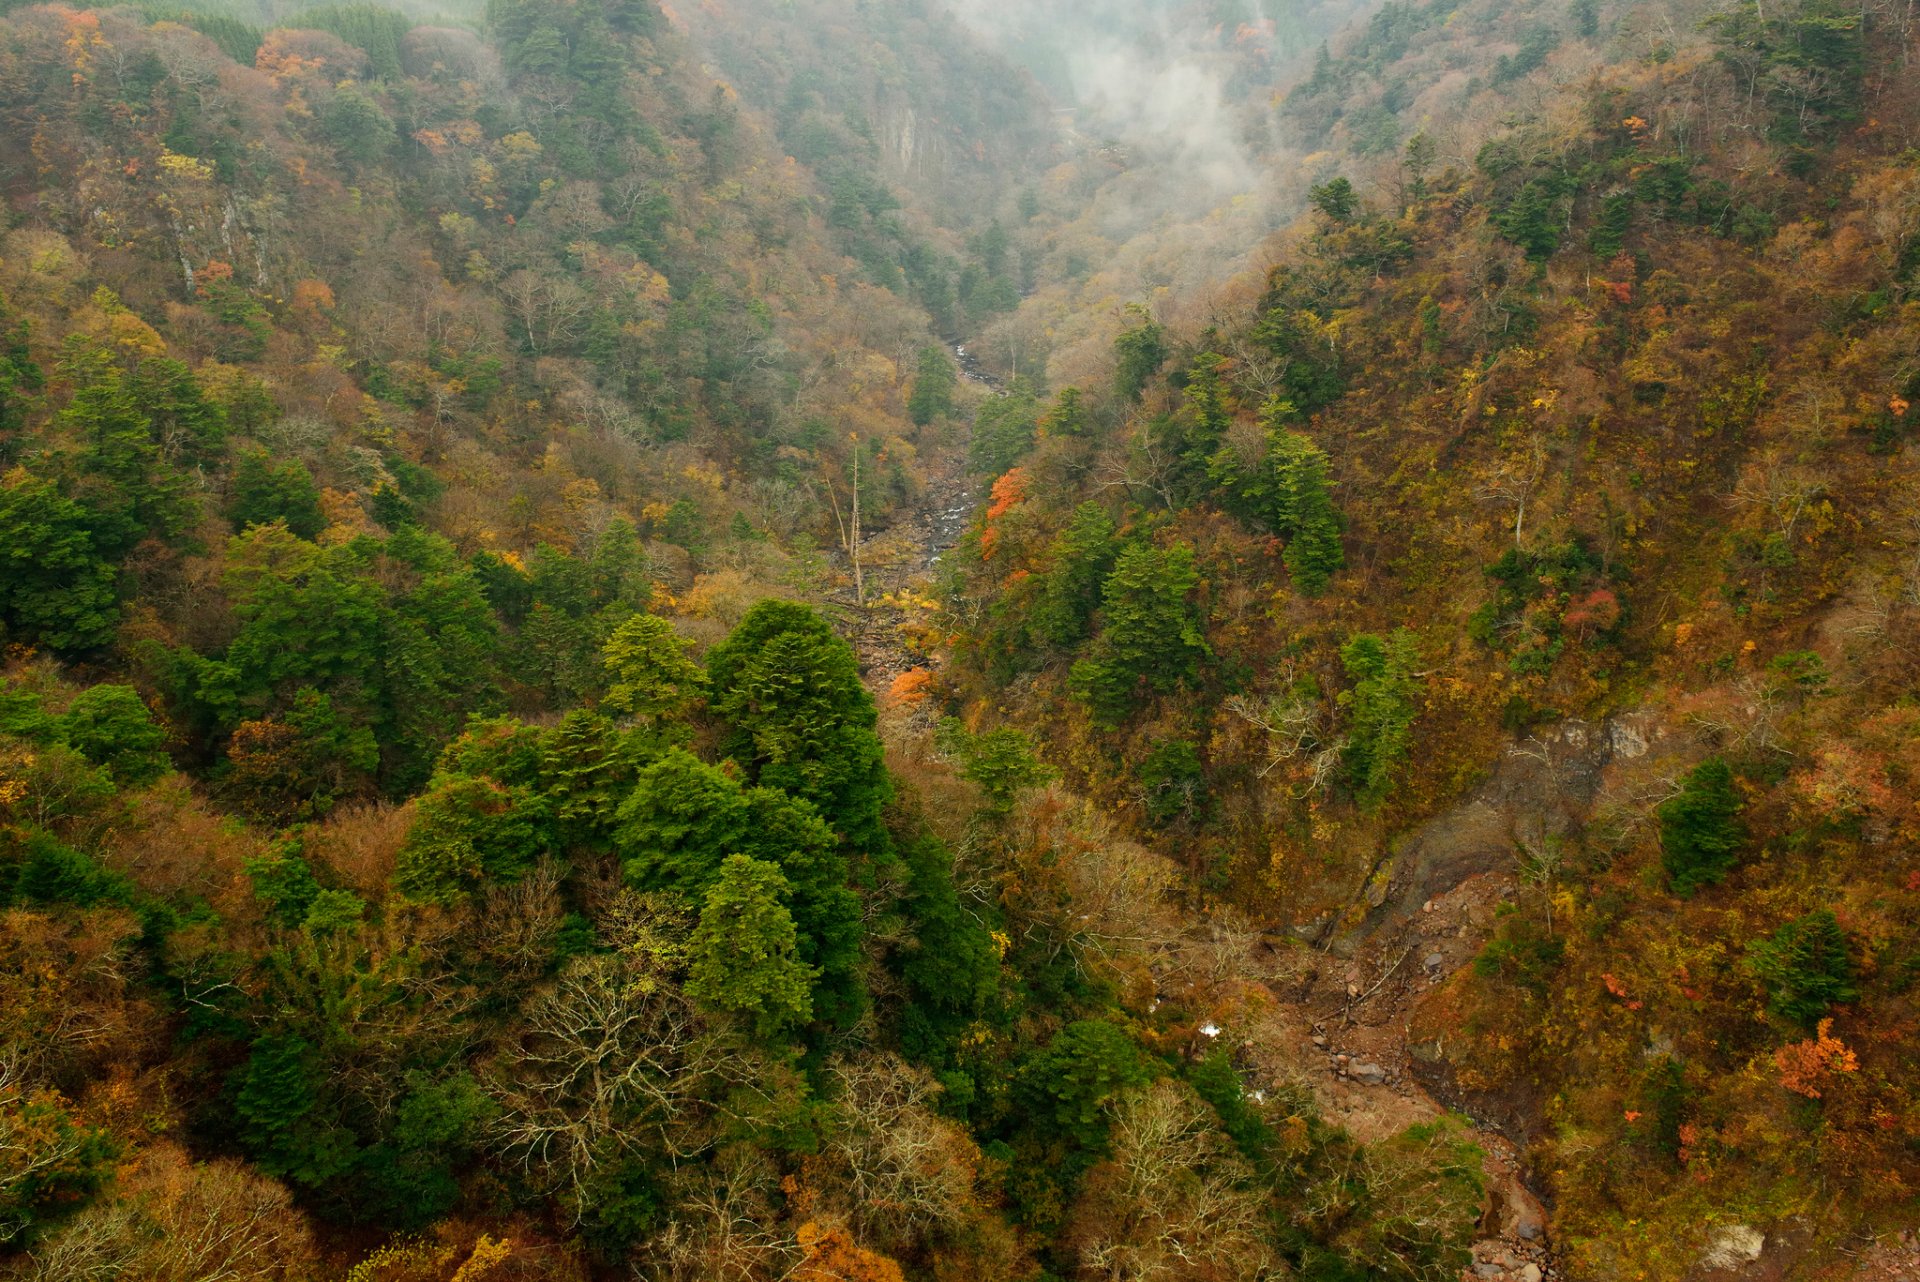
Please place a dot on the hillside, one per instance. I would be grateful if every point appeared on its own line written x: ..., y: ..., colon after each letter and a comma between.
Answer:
x: 1576, y: 411
x: 1411, y: 771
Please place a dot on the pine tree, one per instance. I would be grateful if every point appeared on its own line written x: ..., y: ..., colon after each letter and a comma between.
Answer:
x: 1152, y: 639
x: 1380, y: 711
x: 1304, y: 513
x: 1082, y: 557
x: 1003, y: 430
x: 933, y: 384
x: 468, y: 833
x: 56, y: 589
x: 1067, y: 416
x: 682, y: 819
x: 649, y: 672
x: 111, y: 726
x: 1139, y: 351
x: 262, y: 493
x: 1700, y: 829
x: 743, y: 959
x: 1805, y: 968
x: 801, y: 718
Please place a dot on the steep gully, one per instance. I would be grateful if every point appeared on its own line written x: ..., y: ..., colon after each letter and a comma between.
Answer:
x: 1346, y: 1005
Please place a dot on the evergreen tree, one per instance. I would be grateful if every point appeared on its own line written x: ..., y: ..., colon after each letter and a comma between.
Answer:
x: 789, y: 834
x: 263, y: 492
x: 1139, y: 352
x: 1003, y: 430
x: 1380, y: 711
x: 1152, y: 637
x: 1304, y: 513
x: 123, y: 479
x: 1082, y: 557
x: 1068, y: 415
x: 1700, y: 829
x: 20, y: 378
x: 1002, y: 762
x: 469, y: 833
x: 932, y: 394
x: 682, y: 819
x: 111, y: 726
x: 1208, y: 413
x: 1335, y: 199
x: 1805, y: 968
x: 1069, y: 1085
x: 56, y: 589
x: 743, y: 958
x: 802, y: 720
x: 650, y: 675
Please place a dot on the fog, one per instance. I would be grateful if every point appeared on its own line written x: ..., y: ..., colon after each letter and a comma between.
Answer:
x: 1173, y: 82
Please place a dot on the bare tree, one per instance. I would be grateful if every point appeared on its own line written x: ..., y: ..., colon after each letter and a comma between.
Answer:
x: 1175, y: 1202
x: 903, y: 1168
x: 1517, y: 480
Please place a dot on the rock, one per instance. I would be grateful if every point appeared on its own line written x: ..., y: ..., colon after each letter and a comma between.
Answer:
x: 1368, y: 1074
x: 1733, y: 1246
x: 1320, y: 1040
x: 1627, y: 742
x: 1434, y: 961
x: 1531, y: 1273
x: 1524, y: 1214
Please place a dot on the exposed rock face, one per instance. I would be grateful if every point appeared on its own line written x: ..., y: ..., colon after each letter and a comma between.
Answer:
x: 1733, y: 1247
x: 1543, y: 789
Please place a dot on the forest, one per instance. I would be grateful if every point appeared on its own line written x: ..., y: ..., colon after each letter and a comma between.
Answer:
x: 831, y: 640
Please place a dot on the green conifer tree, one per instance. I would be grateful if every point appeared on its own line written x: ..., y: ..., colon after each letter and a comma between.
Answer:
x: 743, y: 958
x: 1700, y: 829
x: 1805, y: 968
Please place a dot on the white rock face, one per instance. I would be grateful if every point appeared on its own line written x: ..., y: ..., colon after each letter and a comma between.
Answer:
x: 1628, y: 741
x: 1733, y: 1246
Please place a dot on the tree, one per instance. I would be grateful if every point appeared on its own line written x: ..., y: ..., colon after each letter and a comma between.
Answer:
x: 1700, y: 829
x: 1302, y: 506
x: 1335, y: 199
x: 1174, y: 1200
x: 289, y: 1130
x: 682, y: 819
x: 1003, y: 430
x: 262, y: 493
x: 470, y: 832
x: 49, y: 1161
x: 356, y: 126
x: 20, y: 376
x: 1139, y: 352
x: 903, y: 1169
x: 1002, y: 762
x: 650, y: 674
x: 1067, y: 416
x: 1082, y: 557
x: 1152, y: 637
x: 1805, y: 968
x: 1380, y: 711
x: 1069, y: 1085
x: 802, y: 720
x: 111, y: 726
x: 742, y: 958
x: 933, y: 384
x: 301, y: 763
x: 56, y: 588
